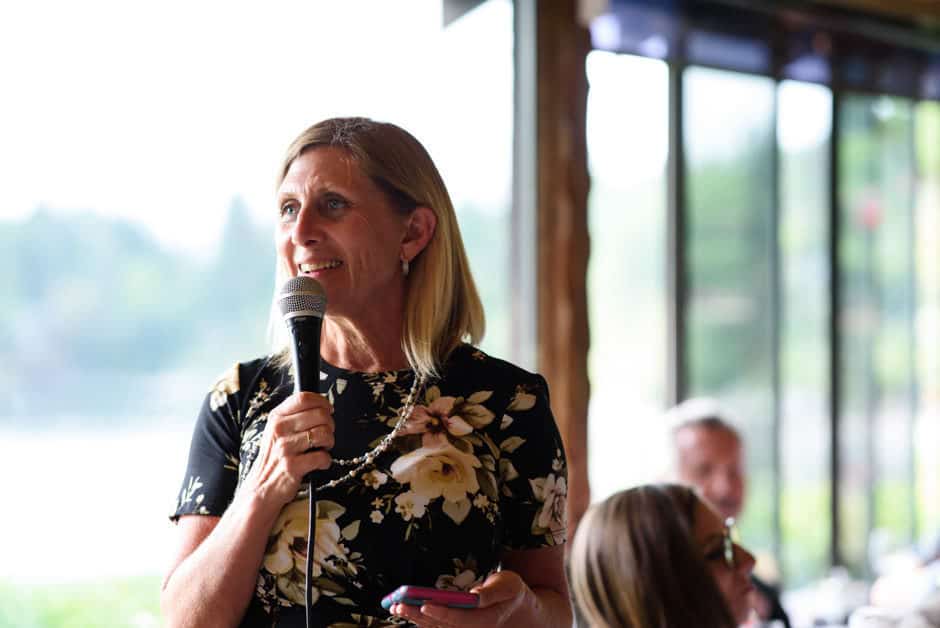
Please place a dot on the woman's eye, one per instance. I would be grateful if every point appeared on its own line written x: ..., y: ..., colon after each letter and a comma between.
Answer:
x: 335, y: 204
x: 288, y: 211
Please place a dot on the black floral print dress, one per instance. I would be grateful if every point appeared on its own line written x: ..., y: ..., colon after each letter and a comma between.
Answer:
x: 478, y: 468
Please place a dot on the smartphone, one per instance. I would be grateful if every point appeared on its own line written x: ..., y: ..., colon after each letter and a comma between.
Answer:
x: 416, y: 596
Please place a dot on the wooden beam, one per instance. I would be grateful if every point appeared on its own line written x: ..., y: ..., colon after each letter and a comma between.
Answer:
x: 563, y: 246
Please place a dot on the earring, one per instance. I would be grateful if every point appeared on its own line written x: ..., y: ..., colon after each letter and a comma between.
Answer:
x: 404, y: 267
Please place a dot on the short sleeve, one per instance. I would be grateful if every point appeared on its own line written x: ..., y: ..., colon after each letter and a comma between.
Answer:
x: 532, y: 470
x: 212, y: 471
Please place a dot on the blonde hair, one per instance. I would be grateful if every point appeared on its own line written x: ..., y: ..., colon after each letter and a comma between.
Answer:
x: 442, y: 306
x: 634, y: 563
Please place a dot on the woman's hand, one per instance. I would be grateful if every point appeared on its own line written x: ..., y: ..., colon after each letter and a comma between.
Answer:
x: 296, y: 440
x: 501, y: 595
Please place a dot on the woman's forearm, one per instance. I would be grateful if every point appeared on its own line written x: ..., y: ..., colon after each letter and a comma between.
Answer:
x: 543, y: 607
x: 214, y: 584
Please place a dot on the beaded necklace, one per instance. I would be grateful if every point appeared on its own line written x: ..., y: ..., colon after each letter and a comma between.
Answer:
x: 361, y: 462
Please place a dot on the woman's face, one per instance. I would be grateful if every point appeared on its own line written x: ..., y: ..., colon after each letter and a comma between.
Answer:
x: 734, y: 580
x: 338, y: 227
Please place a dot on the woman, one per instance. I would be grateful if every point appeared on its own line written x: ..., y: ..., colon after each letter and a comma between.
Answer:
x: 658, y: 557
x: 474, y: 476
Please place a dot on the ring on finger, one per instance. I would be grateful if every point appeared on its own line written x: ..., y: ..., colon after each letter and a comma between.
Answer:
x: 310, y: 437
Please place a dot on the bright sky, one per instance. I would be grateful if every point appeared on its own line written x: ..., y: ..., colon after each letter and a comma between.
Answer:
x: 164, y: 112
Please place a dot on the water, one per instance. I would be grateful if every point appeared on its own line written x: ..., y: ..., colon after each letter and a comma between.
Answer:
x: 88, y: 504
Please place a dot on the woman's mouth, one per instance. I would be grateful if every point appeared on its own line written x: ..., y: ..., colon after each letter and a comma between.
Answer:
x: 314, y: 268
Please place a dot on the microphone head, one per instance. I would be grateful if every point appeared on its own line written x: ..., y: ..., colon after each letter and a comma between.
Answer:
x: 301, y: 296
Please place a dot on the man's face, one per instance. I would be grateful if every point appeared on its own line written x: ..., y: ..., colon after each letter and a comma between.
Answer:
x: 710, y: 460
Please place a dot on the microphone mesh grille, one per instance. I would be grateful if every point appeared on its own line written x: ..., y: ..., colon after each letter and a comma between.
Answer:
x: 301, y: 294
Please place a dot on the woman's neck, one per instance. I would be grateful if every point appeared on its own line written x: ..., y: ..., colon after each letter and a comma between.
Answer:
x: 365, y: 348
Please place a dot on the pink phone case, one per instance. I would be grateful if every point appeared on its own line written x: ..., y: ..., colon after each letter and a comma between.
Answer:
x: 416, y: 596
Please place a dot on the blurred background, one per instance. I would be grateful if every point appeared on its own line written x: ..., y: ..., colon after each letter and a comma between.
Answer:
x: 763, y: 218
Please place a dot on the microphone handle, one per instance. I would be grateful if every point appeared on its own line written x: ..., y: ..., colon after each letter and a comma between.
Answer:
x: 305, y: 351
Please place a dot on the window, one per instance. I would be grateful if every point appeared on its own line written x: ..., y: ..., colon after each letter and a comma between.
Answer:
x: 627, y: 148
x: 877, y: 368
x: 927, y: 322
x: 804, y: 129
x: 136, y: 222
x: 771, y: 234
x: 729, y: 131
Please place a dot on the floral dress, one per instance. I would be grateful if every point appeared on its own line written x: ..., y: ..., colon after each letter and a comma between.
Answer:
x: 478, y: 468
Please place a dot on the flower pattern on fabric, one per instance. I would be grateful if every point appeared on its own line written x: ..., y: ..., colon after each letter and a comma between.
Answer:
x: 444, y: 463
x: 226, y: 385
x: 438, y: 470
x: 464, y: 578
x: 476, y: 469
x: 286, y: 556
x: 190, y: 497
x: 551, y: 492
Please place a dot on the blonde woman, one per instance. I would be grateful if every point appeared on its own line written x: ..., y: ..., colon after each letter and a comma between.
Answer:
x: 657, y: 556
x: 438, y: 464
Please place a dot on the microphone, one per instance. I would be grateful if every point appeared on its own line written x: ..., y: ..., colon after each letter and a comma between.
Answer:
x: 303, y: 303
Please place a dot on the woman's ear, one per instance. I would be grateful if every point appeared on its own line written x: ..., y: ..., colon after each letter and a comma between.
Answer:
x: 418, y: 232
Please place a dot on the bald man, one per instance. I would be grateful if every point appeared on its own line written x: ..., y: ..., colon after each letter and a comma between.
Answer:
x: 709, y: 455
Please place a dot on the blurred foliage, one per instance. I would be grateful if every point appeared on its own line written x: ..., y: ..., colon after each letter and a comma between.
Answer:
x: 119, y: 603
x: 729, y: 270
x: 487, y: 240
x: 96, y: 304
x: 804, y: 525
x: 877, y: 170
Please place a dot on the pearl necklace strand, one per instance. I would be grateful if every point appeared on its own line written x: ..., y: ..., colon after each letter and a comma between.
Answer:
x: 361, y: 462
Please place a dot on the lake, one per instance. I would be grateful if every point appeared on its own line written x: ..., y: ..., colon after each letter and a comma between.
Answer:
x: 89, y: 504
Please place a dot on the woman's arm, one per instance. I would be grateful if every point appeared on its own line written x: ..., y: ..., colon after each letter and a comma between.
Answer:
x: 543, y: 570
x: 214, y: 571
x: 530, y: 590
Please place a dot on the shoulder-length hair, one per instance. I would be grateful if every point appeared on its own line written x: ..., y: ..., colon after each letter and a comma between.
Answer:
x: 442, y: 305
x: 634, y: 563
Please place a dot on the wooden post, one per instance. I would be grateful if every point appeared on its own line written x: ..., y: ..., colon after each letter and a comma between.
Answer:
x: 562, y: 230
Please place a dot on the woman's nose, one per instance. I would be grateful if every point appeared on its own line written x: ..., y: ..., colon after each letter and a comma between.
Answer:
x: 743, y: 560
x: 305, y: 231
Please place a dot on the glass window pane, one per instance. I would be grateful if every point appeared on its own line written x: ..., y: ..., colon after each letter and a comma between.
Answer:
x: 877, y: 367
x: 927, y: 435
x: 729, y: 132
x: 472, y: 143
x: 627, y: 140
x: 804, y: 130
x: 136, y: 254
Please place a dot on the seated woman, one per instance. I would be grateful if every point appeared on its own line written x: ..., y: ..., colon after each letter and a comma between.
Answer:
x: 657, y: 556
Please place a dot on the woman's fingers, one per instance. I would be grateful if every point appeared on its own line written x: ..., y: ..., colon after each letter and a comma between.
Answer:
x: 433, y: 616
x: 501, y: 586
x: 312, y: 461
x: 303, y: 421
x: 500, y: 595
x: 302, y: 402
x: 317, y: 437
x: 296, y: 441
